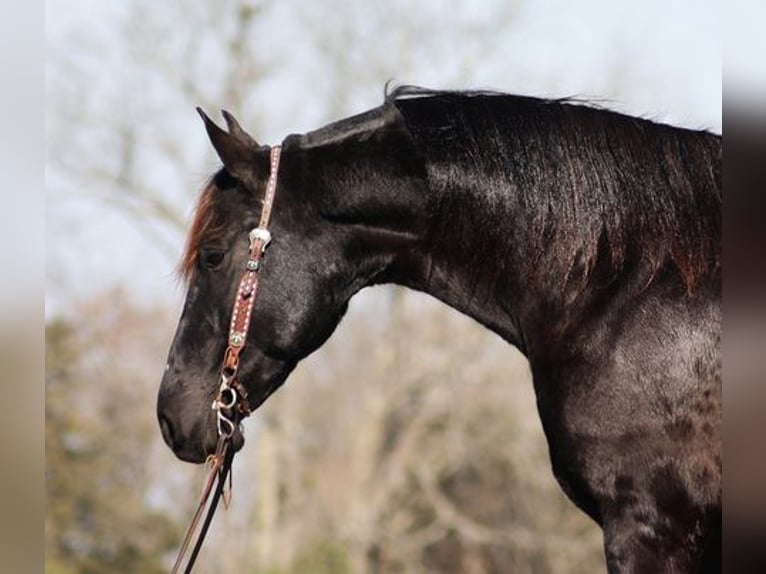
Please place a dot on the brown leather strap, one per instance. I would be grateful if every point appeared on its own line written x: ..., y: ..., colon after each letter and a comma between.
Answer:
x: 220, y: 467
x: 232, y: 394
x: 248, y: 284
x: 271, y: 187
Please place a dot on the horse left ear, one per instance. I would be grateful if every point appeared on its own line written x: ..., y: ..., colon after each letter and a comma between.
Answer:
x: 236, y: 148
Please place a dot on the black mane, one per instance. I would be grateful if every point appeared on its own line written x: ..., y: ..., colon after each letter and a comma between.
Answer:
x: 593, y: 186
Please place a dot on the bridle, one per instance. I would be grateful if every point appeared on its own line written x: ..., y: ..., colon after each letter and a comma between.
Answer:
x: 230, y: 404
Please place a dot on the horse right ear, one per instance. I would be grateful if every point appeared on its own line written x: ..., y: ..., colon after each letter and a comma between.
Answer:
x: 236, y: 148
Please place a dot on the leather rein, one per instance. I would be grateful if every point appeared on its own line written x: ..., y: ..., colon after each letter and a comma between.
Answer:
x: 230, y: 404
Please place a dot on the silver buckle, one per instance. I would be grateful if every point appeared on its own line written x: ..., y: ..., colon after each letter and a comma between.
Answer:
x: 224, y: 424
x: 262, y: 234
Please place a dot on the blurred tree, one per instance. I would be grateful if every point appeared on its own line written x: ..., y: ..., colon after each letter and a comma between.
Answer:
x: 425, y: 459
x: 96, y: 435
x: 118, y: 140
x: 121, y: 141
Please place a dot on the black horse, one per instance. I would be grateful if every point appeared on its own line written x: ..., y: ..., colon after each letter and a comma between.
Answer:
x: 588, y: 239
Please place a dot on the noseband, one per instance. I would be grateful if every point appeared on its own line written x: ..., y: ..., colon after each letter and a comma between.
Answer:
x: 230, y: 404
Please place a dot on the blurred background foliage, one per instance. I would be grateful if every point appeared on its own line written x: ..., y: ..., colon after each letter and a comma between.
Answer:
x: 410, y: 442
x: 385, y: 453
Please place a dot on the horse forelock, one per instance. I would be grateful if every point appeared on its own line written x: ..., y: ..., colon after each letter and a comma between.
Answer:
x: 206, y: 225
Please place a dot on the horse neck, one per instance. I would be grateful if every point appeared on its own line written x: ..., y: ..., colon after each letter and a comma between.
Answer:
x: 466, y: 260
x: 415, y: 233
x: 495, y: 228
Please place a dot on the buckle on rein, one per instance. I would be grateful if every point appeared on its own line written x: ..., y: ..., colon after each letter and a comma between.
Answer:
x: 229, y: 394
x: 224, y: 424
x: 262, y: 234
x: 255, y: 234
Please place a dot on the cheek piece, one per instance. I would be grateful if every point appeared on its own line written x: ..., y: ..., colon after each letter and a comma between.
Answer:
x: 230, y: 404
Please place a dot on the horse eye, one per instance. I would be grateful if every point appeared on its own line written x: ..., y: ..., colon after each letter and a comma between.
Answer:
x: 211, y: 258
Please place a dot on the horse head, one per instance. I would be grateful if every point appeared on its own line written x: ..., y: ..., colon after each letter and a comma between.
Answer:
x: 297, y: 309
x: 319, y: 257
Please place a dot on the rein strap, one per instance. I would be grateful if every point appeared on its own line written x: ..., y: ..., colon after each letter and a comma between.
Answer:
x: 231, y: 405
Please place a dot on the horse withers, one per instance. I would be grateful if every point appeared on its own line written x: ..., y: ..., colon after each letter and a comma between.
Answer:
x: 588, y: 239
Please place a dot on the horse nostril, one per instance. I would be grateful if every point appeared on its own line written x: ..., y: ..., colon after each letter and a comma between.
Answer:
x: 167, y: 430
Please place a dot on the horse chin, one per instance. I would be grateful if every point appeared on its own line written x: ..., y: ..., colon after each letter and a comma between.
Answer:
x: 237, y: 440
x: 198, y: 450
x: 193, y: 455
x: 206, y: 450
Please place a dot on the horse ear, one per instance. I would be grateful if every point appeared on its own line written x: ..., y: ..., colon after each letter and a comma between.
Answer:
x: 236, y: 130
x: 236, y: 148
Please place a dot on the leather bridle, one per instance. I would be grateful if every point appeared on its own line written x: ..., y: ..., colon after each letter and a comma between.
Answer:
x: 230, y: 404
